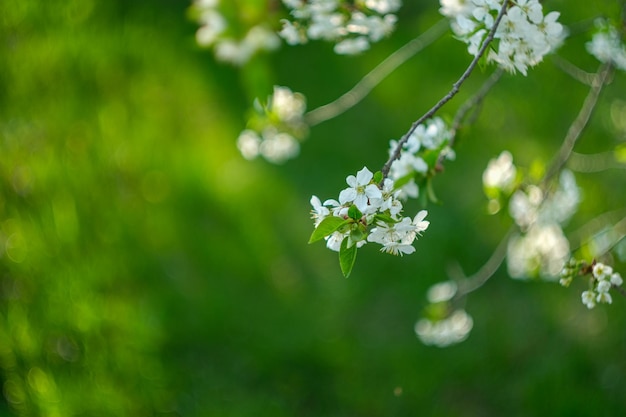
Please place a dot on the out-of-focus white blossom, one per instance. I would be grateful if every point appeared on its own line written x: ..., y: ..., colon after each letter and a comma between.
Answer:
x: 352, y: 29
x: 529, y: 206
x: 607, y: 46
x: 542, y: 248
x: 442, y: 291
x: 500, y: 172
x: 352, y: 46
x: 451, y: 330
x: 453, y: 8
x: 275, y: 129
x: 213, y: 32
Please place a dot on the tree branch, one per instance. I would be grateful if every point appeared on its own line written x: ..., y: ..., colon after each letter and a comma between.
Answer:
x: 467, y: 285
x: 455, y: 89
x: 375, y: 76
x: 473, y: 101
x: 579, y: 123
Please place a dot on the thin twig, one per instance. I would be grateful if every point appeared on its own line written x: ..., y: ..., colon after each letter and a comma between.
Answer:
x: 579, y: 123
x: 455, y: 89
x: 467, y: 285
x: 596, y: 162
x: 375, y: 76
x: 597, y: 224
x: 573, y: 71
x: 474, y: 101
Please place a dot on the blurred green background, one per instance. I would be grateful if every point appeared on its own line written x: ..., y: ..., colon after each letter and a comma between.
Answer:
x: 147, y: 269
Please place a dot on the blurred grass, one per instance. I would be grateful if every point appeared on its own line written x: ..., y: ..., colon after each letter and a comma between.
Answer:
x: 148, y: 270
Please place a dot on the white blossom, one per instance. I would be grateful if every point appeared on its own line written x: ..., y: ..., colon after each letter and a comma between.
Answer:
x: 360, y: 190
x: 607, y: 46
x: 287, y: 105
x: 383, y: 6
x: 279, y: 147
x: 248, y: 144
x: 352, y: 46
x: 500, y: 172
x: 616, y: 279
x: 213, y: 33
x: 542, y: 250
x: 451, y: 330
x: 601, y: 271
x: 523, y: 37
x: 351, y: 29
x: 442, y: 291
x: 589, y: 299
x: 431, y: 135
x: 381, y: 220
x: 319, y: 212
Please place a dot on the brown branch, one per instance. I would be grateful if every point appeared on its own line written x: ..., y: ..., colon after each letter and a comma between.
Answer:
x: 579, y: 123
x: 474, y: 101
x: 375, y: 76
x: 469, y: 284
x: 455, y: 89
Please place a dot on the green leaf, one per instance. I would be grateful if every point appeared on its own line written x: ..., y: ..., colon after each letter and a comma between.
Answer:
x: 327, y: 226
x: 385, y: 218
x: 354, y: 213
x: 347, y: 256
x: 357, y: 235
x: 404, y: 180
x: 378, y: 177
x: 431, y: 192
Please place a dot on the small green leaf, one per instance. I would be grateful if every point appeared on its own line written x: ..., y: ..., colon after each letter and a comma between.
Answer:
x: 327, y: 226
x: 354, y: 213
x: 378, y: 177
x: 400, y: 182
x: 385, y: 218
x: 357, y: 235
x: 347, y: 256
x: 431, y: 192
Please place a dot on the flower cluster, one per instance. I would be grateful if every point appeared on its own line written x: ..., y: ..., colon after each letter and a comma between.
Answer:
x: 214, y: 32
x: 274, y: 129
x: 523, y: 37
x: 366, y: 211
x: 441, y: 333
x: 541, y: 248
x: 499, y: 180
x: 602, y: 279
x: 419, y: 154
x: 351, y: 25
x: 607, y: 46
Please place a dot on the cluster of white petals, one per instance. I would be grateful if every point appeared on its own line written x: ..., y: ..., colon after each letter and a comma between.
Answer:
x: 352, y: 26
x: 446, y: 332
x: 213, y: 32
x: 523, y: 37
x: 603, y: 279
x: 542, y: 249
x: 607, y: 46
x: 431, y: 136
x: 275, y: 128
x: 500, y: 172
x: 381, y: 222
